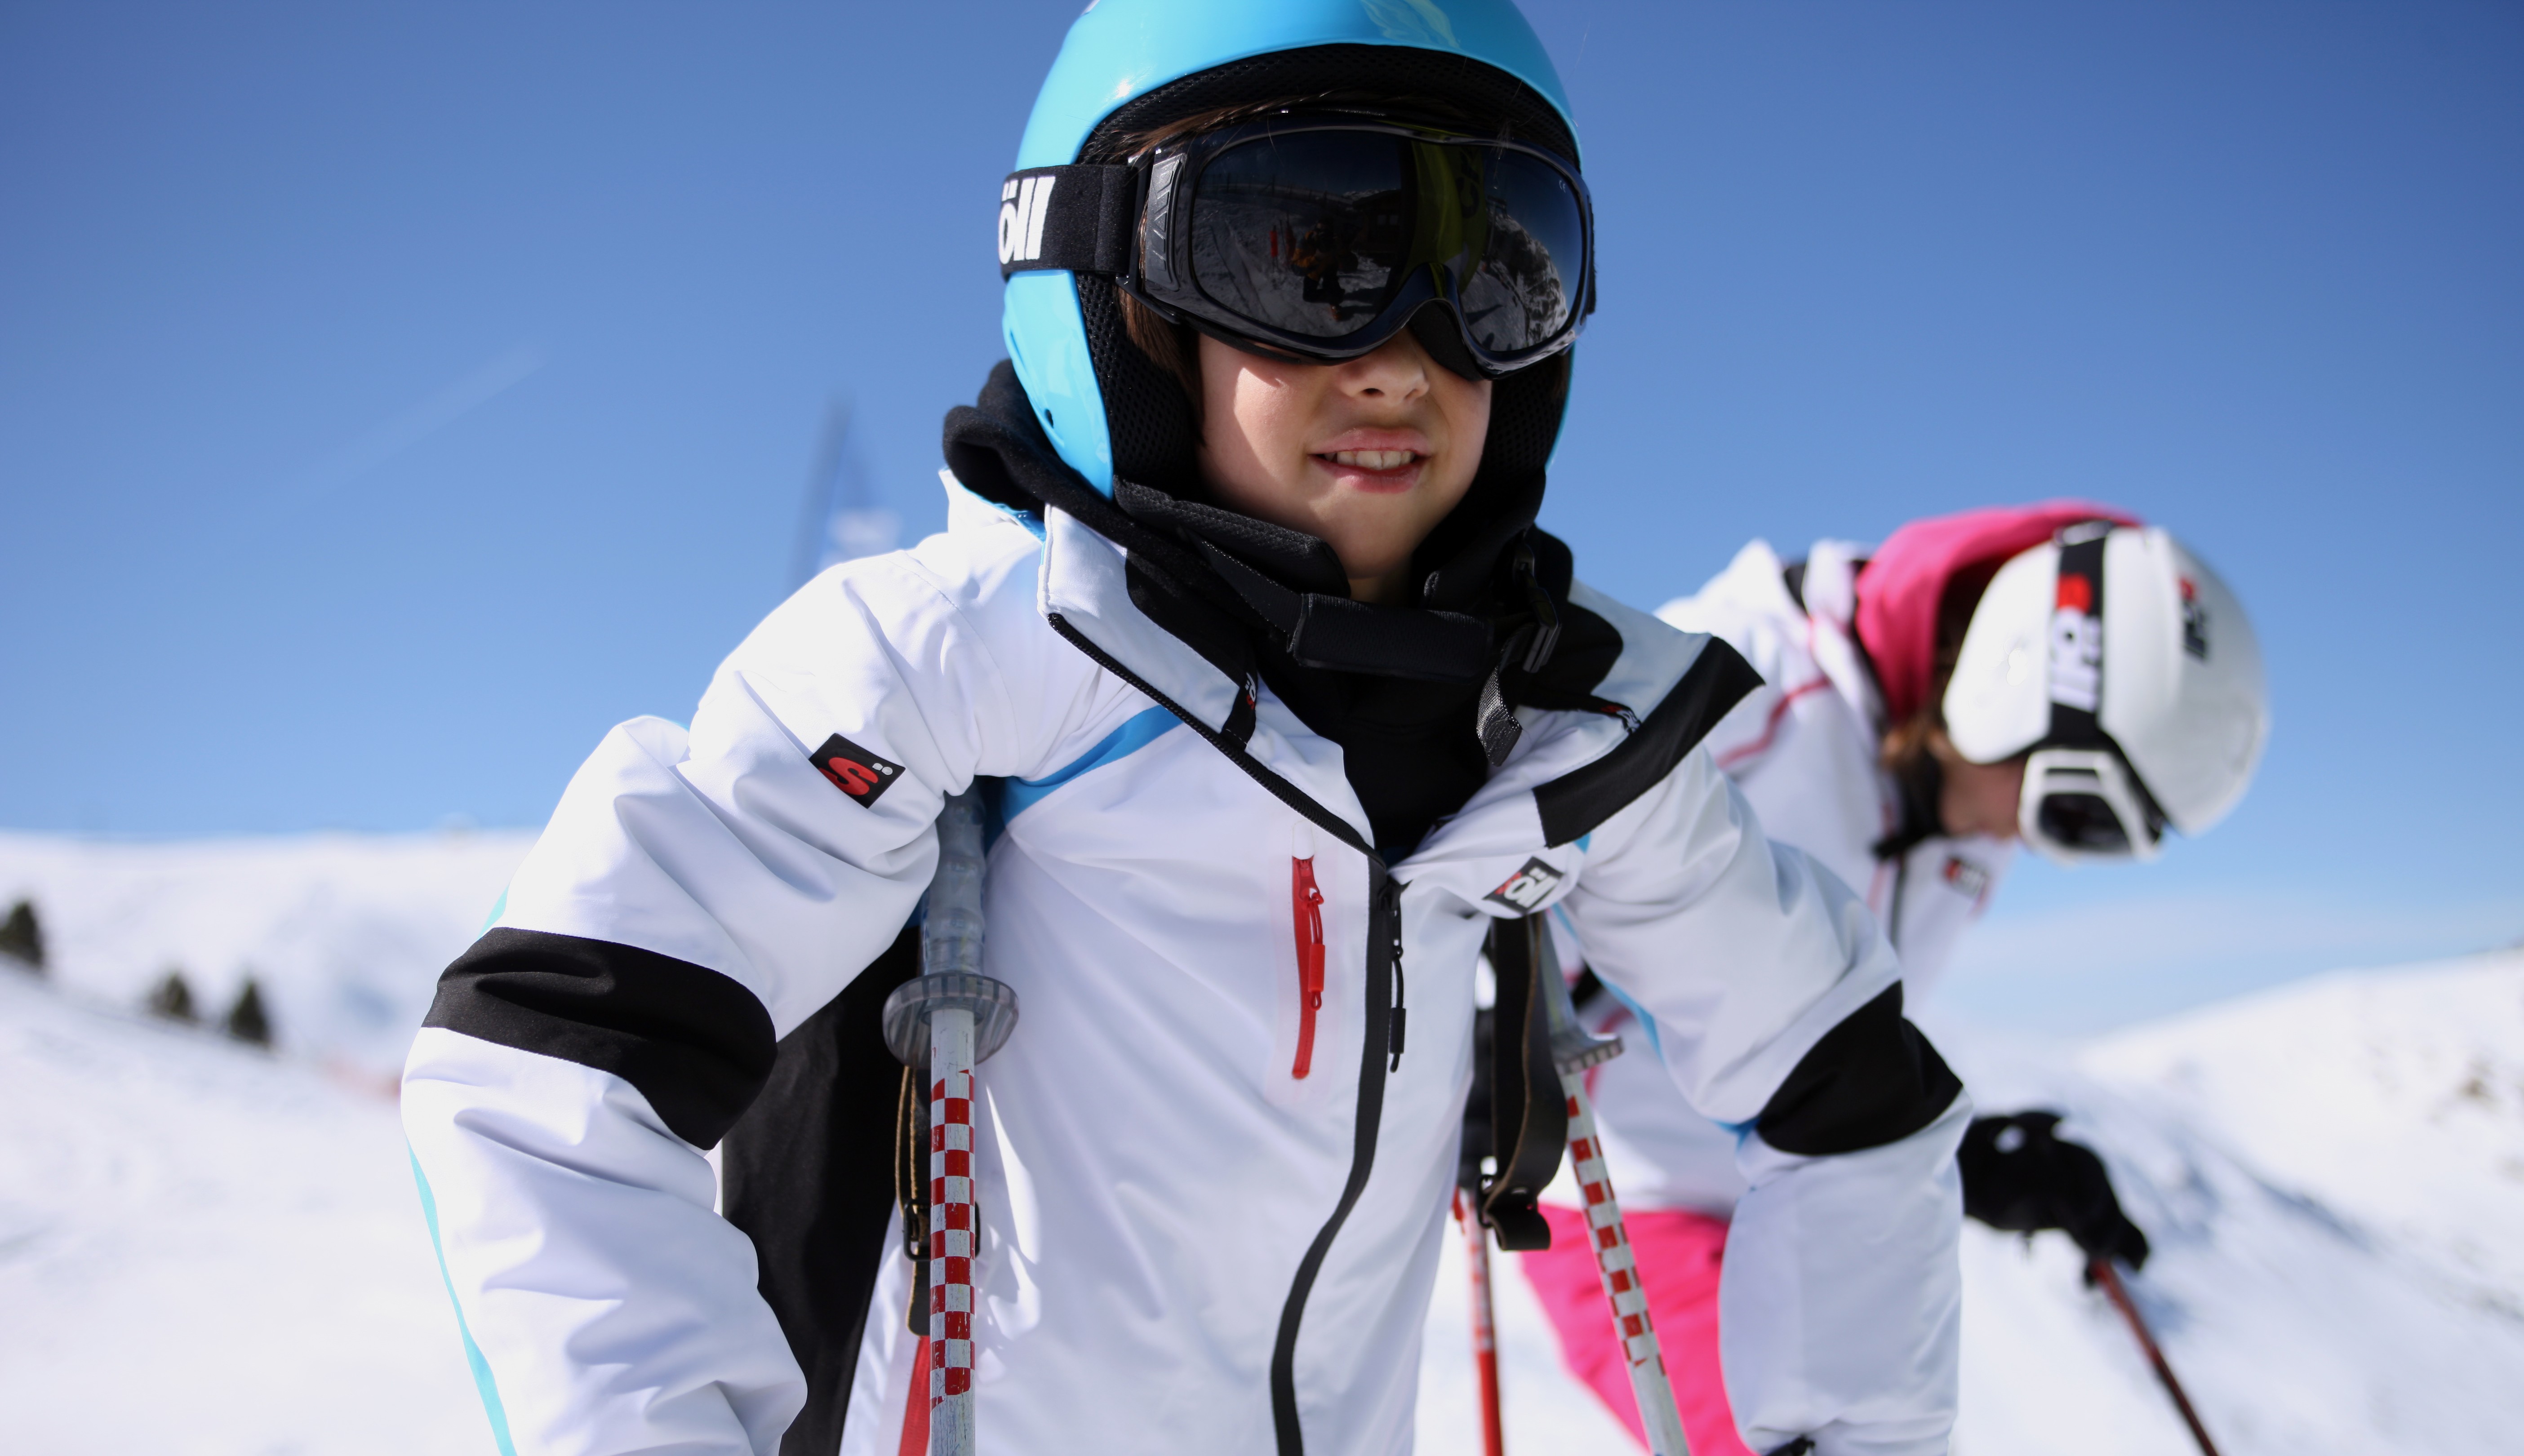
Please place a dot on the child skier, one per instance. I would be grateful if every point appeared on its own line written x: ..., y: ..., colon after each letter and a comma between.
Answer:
x: 2055, y: 674
x: 1281, y: 703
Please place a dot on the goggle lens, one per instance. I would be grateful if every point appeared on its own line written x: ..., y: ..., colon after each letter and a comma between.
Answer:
x: 2085, y: 804
x: 1519, y: 289
x: 2083, y: 822
x: 1309, y: 234
x: 1316, y: 234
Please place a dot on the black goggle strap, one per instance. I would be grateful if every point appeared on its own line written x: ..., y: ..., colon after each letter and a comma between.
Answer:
x: 1075, y: 218
x: 2076, y: 665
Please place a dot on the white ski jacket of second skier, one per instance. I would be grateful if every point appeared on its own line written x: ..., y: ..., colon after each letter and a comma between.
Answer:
x: 1802, y: 750
x: 1183, y: 1246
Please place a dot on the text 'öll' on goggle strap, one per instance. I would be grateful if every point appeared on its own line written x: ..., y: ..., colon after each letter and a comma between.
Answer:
x: 1322, y: 238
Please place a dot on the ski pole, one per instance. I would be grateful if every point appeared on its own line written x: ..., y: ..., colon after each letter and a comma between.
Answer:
x: 2101, y: 1270
x: 1573, y: 1049
x: 953, y: 1017
x: 1476, y: 1258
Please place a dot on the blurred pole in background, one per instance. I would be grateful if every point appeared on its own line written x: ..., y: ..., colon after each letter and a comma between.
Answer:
x: 841, y: 519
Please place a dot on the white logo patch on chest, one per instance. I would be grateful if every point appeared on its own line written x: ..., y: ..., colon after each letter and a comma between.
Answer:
x: 1527, y: 888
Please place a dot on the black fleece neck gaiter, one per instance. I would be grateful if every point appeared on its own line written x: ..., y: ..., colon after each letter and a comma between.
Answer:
x: 1407, y: 722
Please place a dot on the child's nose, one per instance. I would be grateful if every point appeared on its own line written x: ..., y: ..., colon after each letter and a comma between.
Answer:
x: 1399, y: 370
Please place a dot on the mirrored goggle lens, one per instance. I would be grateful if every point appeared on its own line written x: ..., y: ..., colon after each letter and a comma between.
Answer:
x: 1307, y: 233
x: 1519, y: 287
x: 2083, y: 822
x: 1316, y: 234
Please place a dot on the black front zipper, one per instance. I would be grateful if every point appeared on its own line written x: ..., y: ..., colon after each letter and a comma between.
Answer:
x: 1383, y: 1033
x: 1393, y: 957
x: 1379, y: 1044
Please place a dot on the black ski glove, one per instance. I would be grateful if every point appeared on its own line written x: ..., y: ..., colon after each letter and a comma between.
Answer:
x: 2018, y: 1177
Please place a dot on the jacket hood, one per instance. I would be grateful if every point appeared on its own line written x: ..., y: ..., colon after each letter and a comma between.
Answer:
x: 1904, y: 585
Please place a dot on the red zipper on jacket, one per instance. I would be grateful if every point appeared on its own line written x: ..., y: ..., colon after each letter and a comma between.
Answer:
x: 1305, y: 904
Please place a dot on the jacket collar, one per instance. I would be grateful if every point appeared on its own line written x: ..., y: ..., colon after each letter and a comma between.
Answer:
x: 1085, y: 583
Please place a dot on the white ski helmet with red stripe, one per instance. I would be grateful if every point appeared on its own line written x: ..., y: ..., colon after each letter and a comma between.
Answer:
x: 2130, y: 673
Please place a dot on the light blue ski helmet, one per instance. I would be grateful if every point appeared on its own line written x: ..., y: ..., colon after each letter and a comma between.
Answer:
x: 1120, y: 54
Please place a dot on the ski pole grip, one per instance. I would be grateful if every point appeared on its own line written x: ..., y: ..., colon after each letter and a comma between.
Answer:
x: 1574, y: 1049
x: 950, y: 931
x: 992, y: 1004
x: 951, y: 948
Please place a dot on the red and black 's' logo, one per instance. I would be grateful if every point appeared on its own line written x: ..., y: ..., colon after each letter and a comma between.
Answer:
x: 854, y: 771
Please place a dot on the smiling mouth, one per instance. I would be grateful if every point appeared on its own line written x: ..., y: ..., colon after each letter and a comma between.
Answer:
x: 1372, y: 460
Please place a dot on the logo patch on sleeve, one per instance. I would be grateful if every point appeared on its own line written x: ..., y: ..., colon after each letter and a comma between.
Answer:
x: 1526, y: 887
x: 854, y: 771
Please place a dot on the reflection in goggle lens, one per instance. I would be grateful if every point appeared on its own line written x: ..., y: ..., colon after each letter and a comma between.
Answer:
x: 1315, y: 233
x: 2083, y: 822
x: 1305, y: 233
x: 1514, y: 294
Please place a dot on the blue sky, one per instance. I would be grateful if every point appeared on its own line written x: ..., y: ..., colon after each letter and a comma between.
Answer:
x: 393, y: 397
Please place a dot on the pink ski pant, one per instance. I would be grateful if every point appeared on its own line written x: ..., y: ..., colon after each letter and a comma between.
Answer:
x: 1679, y: 1254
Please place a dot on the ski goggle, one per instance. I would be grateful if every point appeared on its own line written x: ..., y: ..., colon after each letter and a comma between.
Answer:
x: 2085, y: 804
x: 1321, y: 237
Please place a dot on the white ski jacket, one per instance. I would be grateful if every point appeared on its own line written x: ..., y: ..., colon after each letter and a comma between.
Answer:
x: 1802, y: 750
x: 1184, y: 1247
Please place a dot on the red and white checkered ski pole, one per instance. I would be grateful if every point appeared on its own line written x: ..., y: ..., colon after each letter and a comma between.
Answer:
x: 953, y: 1017
x: 1573, y: 1049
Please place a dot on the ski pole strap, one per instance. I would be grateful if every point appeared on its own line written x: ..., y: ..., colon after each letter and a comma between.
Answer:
x: 1526, y: 1126
x: 912, y: 1189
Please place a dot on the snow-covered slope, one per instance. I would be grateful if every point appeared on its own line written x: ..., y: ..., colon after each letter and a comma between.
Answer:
x: 2396, y: 1100
x: 204, y: 1249
x: 207, y: 1250
x: 2335, y: 1217
x: 2332, y: 1174
x: 346, y: 933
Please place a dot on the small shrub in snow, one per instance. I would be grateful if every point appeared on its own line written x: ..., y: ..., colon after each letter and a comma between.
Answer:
x: 172, y: 998
x: 21, y: 936
x: 246, y: 1020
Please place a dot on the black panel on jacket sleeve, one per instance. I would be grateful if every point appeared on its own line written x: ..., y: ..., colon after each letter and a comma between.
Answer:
x: 696, y: 1044
x: 1574, y: 802
x: 806, y: 1174
x: 1871, y: 1079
